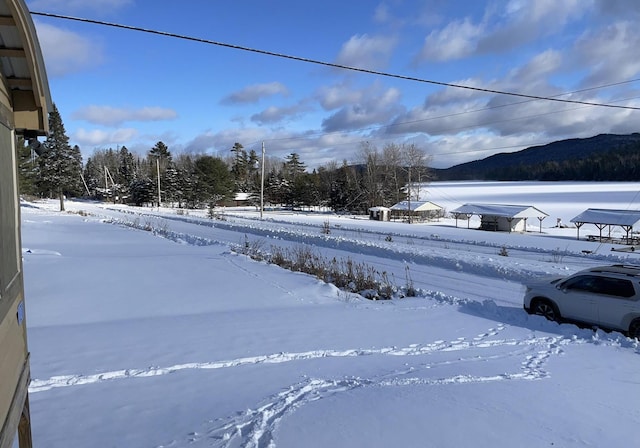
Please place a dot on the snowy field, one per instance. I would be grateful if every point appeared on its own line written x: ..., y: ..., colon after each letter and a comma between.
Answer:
x: 168, y: 338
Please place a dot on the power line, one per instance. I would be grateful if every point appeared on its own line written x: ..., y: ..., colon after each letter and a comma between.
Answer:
x: 328, y: 64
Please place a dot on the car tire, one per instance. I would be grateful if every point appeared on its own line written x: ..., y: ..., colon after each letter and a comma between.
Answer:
x: 545, y: 308
x: 634, y: 329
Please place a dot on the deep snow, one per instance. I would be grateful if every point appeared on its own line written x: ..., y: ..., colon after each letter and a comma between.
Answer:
x: 170, y: 339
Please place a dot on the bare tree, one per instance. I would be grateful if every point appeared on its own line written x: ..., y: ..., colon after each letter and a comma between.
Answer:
x: 372, y: 174
x: 392, y: 175
x: 415, y: 162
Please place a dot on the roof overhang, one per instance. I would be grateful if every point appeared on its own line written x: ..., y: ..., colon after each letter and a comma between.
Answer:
x: 608, y: 217
x: 26, y: 99
x: 500, y: 210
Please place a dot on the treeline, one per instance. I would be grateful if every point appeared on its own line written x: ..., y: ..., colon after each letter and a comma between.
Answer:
x: 384, y: 176
x: 618, y: 164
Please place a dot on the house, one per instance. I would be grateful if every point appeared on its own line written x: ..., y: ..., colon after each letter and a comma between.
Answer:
x: 500, y: 217
x: 416, y: 211
x: 25, y: 102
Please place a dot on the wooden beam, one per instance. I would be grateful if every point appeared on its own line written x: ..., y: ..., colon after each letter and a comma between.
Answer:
x: 7, y: 21
x: 24, y: 427
x: 15, y: 83
x: 16, y: 411
x: 12, y: 52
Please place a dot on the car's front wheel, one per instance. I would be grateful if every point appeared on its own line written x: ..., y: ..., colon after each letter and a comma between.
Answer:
x: 634, y: 329
x: 545, y: 308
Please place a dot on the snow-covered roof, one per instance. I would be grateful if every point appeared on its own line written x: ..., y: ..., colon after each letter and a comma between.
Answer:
x: 416, y: 206
x: 379, y: 209
x: 609, y: 217
x: 507, y: 211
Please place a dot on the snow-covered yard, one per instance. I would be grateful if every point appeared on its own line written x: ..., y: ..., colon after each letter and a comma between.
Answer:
x: 171, y: 339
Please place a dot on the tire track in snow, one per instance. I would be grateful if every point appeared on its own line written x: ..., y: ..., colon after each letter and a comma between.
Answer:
x: 255, y: 428
x: 480, y: 342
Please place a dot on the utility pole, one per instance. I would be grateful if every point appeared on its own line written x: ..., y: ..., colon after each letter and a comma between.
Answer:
x: 158, y: 171
x: 262, y: 184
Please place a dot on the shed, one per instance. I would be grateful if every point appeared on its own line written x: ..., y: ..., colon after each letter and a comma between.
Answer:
x: 420, y: 210
x: 603, y: 218
x: 500, y: 217
x: 380, y: 213
x: 25, y: 102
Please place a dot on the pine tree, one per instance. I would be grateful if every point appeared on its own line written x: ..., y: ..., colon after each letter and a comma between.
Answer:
x: 213, y: 180
x: 60, y: 165
x: 126, y: 172
x: 240, y: 167
x: 93, y: 176
x: 28, y: 168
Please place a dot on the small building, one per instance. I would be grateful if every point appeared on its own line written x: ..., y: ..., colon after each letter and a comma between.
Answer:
x: 416, y: 211
x: 607, y: 219
x: 380, y: 213
x: 500, y: 217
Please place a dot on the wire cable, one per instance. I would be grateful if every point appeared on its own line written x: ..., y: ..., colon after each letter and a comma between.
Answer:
x: 327, y: 64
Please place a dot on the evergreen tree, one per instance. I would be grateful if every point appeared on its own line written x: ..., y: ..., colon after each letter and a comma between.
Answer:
x: 240, y: 168
x: 28, y: 168
x: 159, y: 159
x: 126, y: 172
x: 93, y: 177
x: 60, y: 164
x: 142, y: 191
x: 213, y: 180
x: 293, y: 166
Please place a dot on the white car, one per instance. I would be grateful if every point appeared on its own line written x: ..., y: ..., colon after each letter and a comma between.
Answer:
x: 604, y: 296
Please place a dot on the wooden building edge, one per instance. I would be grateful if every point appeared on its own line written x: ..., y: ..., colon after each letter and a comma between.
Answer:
x: 25, y: 103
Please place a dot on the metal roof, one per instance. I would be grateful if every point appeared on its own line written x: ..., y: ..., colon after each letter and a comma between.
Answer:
x: 22, y: 68
x: 608, y: 217
x: 416, y: 206
x: 501, y: 210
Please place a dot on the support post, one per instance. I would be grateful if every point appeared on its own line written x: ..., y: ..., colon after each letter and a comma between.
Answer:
x: 262, y: 184
x: 158, y: 171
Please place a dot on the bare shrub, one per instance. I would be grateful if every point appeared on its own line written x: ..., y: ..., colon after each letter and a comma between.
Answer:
x: 345, y: 274
x: 410, y: 289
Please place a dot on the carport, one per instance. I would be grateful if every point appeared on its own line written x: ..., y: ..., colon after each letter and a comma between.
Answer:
x: 605, y: 218
x: 500, y: 216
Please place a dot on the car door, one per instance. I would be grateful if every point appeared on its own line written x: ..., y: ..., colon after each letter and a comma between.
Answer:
x: 577, y: 299
x: 617, y: 298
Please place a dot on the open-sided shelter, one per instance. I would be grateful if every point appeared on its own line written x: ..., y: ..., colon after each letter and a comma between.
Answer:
x: 25, y: 103
x: 415, y: 210
x: 605, y: 218
x: 500, y: 217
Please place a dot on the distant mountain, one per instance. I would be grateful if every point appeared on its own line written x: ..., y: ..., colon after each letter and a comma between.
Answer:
x: 508, y: 165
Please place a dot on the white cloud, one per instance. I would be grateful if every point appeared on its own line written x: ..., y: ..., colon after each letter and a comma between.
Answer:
x: 524, y: 21
x: 277, y: 114
x: 532, y: 77
x: 367, y: 52
x: 457, y: 40
x: 610, y: 53
x: 98, y: 137
x: 254, y: 93
x: 336, y: 96
x: 371, y: 106
x: 65, y: 51
x: 501, y: 29
x: 113, y: 116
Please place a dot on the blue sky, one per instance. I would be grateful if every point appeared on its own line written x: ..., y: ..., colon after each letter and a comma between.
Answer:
x: 118, y: 87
